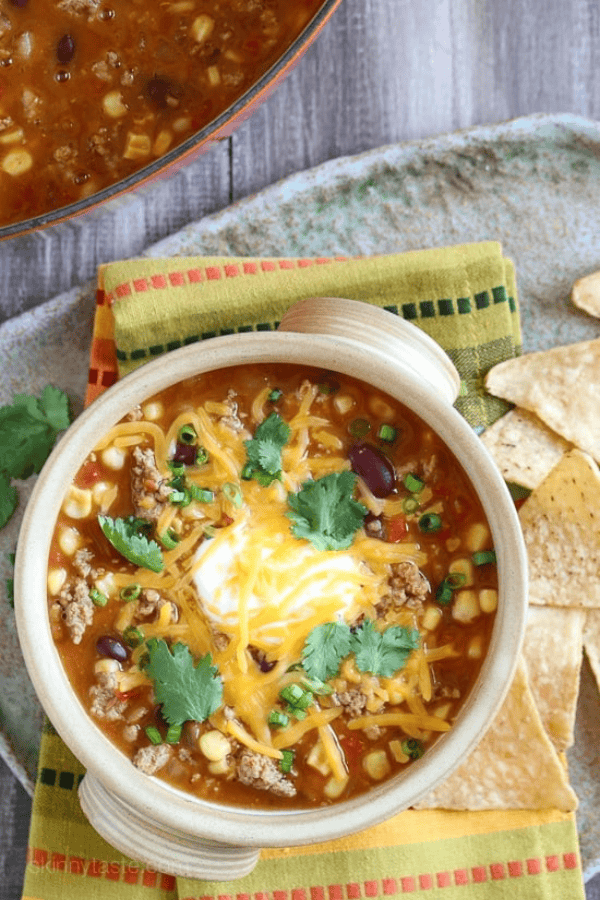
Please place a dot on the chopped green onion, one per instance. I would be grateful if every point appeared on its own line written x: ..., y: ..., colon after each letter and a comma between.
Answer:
x: 246, y: 472
x: 430, y: 523
x: 187, y: 434
x: 209, y: 531
x: 153, y: 734
x: 130, y: 592
x: 456, y: 579
x: 410, y: 505
x: 296, y: 697
x: 278, y: 719
x: 133, y: 636
x: 387, y: 433
x: 201, y: 456
x: 202, y: 495
x: 275, y: 395
x: 413, y: 748
x: 173, y: 734
x: 483, y: 557
x: 177, y: 468
x: 181, y: 497
x: 233, y: 493
x: 328, y: 385
x: 287, y: 761
x: 98, y: 598
x: 169, y: 539
x: 358, y: 428
x: 444, y: 593
x: 316, y: 686
x: 413, y: 483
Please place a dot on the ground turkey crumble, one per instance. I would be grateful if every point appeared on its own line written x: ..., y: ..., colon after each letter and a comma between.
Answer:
x: 149, y: 489
x: 150, y: 760
x: 262, y: 773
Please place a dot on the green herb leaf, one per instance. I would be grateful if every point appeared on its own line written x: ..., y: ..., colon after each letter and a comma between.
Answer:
x: 325, y: 512
x: 383, y: 652
x: 325, y: 647
x: 10, y: 583
x: 264, y: 449
x: 8, y: 498
x: 185, y: 689
x: 28, y: 429
x: 128, y: 537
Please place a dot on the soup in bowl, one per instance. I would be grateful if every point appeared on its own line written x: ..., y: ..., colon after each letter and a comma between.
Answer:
x: 282, y: 582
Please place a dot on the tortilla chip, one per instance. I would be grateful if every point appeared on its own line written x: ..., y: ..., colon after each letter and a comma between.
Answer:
x: 586, y: 293
x: 553, y: 653
x: 523, y: 448
x: 561, y: 386
x: 591, y: 640
x: 514, y: 766
x: 561, y: 527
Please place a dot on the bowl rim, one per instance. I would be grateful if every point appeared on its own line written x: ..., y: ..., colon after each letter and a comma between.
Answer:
x: 213, y: 130
x: 183, y: 812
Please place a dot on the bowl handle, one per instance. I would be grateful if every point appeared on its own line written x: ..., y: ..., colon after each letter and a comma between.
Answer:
x: 388, y: 334
x: 146, y: 841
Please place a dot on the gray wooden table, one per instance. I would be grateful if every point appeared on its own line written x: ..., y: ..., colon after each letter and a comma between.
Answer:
x: 383, y: 71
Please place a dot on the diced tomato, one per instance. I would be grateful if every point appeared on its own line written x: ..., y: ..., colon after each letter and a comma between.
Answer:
x: 397, y: 529
x: 89, y: 474
x: 127, y: 695
x: 353, y: 748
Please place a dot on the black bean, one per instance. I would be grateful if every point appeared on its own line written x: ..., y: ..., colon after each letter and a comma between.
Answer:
x: 65, y: 49
x: 374, y: 468
x: 21, y: 4
x: 112, y: 647
x: 157, y: 90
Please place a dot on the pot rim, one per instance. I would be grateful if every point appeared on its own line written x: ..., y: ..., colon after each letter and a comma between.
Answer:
x: 182, y: 812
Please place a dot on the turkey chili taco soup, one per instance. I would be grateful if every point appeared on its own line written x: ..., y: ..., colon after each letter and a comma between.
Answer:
x: 272, y: 586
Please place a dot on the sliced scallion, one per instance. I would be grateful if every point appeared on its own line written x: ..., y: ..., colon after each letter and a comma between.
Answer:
x: 278, y: 719
x: 173, y: 734
x: 275, y: 395
x: 201, y: 456
x: 387, y: 433
x: 430, y: 523
x: 153, y: 735
x: 413, y: 483
x: 287, y: 761
x: 187, y: 434
x: 202, y: 495
x: 413, y: 748
x: 483, y: 557
x: 233, y: 493
x: 98, y: 598
x: 130, y: 592
x: 358, y: 428
x: 410, y: 505
x: 169, y: 539
x: 133, y: 636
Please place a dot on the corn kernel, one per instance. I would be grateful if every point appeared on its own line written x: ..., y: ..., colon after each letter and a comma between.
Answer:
x: 214, y: 76
x: 202, y: 27
x: 488, y: 600
x: 397, y: 751
x: 219, y: 766
x: 69, y: 540
x: 475, y: 648
x: 153, y: 410
x: 137, y: 146
x: 113, y: 106
x: 335, y: 787
x: 377, y: 765
x: 106, y: 666
x: 78, y: 503
x: 17, y: 162
x: 162, y: 142
x: 478, y: 537
x: 113, y: 458
x: 12, y: 136
x: 343, y: 403
x: 465, y: 607
x: 214, y: 745
x: 56, y: 579
x: 432, y: 618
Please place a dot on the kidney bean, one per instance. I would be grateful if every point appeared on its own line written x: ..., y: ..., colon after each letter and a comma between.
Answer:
x: 65, y: 49
x: 112, y: 647
x: 185, y: 453
x: 374, y: 468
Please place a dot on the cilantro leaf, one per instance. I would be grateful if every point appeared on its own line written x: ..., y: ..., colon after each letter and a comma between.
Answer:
x: 8, y: 499
x: 185, y: 690
x: 28, y: 430
x: 263, y: 451
x: 325, y: 512
x: 127, y: 536
x: 383, y: 652
x: 324, y: 649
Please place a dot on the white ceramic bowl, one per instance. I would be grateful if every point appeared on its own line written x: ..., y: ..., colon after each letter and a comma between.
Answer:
x: 146, y: 818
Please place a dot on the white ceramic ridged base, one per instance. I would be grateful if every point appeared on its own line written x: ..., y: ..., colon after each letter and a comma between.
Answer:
x: 145, y: 840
